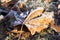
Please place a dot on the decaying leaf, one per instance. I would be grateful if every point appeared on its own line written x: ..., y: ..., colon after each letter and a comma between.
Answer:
x: 5, y: 1
x: 20, y: 5
x: 9, y: 4
x: 39, y: 23
x: 34, y: 13
x: 47, y: 1
x: 55, y: 27
x: 17, y: 31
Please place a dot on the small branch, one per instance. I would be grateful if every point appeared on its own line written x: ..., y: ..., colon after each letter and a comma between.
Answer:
x: 3, y: 11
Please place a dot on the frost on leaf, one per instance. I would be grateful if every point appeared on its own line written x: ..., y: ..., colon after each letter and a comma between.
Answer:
x: 39, y: 23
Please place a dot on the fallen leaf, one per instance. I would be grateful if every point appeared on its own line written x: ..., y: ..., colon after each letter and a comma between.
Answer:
x: 40, y: 23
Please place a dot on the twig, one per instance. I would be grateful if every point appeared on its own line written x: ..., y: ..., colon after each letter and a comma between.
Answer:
x: 3, y: 11
x: 21, y: 32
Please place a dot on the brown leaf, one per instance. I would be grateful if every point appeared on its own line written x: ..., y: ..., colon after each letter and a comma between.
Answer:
x: 5, y: 1
x: 55, y: 27
x: 40, y: 23
x: 34, y: 13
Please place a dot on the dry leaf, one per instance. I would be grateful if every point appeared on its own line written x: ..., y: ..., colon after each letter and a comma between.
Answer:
x: 5, y: 1
x: 47, y: 1
x: 55, y: 27
x: 8, y: 4
x: 39, y: 23
x: 35, y: 13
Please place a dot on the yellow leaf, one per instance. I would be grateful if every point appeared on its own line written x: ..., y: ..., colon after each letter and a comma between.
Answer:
x: 40, y: 23
x: 34, y: 13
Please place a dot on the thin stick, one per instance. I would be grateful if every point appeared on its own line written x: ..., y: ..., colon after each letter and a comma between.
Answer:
x: 21, y: 32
